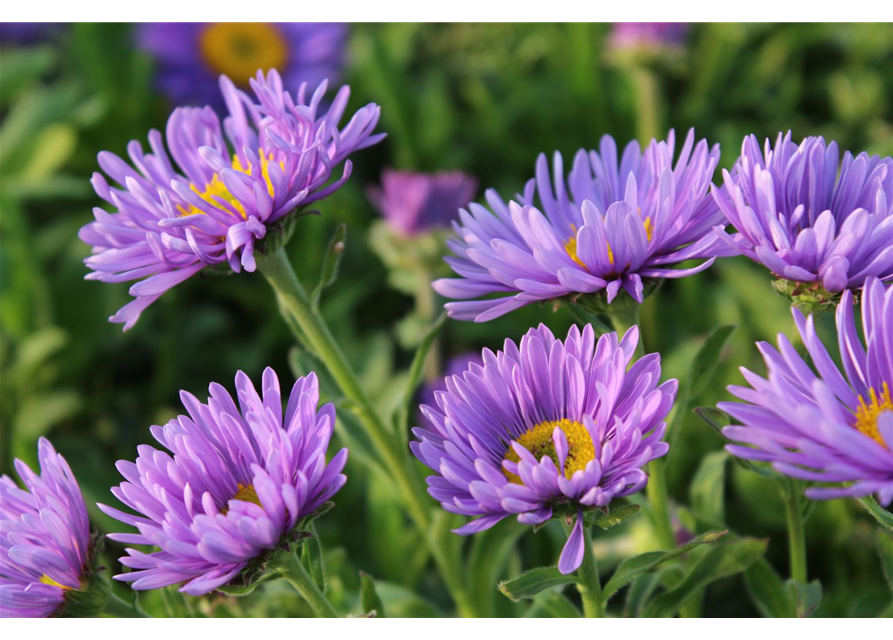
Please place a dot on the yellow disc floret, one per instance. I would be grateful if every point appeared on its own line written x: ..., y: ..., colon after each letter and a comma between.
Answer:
x: 538, y: 441
x: 571, y: 245
x: 867, y: 413
x: 240, y: 49
x: 218, y: 189
x: 245, y: 493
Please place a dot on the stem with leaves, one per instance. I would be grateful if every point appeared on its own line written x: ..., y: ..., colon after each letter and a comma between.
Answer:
x: 289, y: 565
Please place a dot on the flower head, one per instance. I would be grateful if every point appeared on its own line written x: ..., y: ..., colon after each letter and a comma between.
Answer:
x: 623, y: 221
x: 829, y: 425
x: 550, y: 428
x: 45, y: 545
x: 808, y: 219
x: 224, y: 191
x: 239, y: 481
x: 416, y: 202
x: 455, y: 366
x: 191, y: 56
x: 631, y: 35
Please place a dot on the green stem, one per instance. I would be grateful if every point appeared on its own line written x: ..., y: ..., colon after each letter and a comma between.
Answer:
x: 624, y: 313
x: 590, y: 586
x: 648, y: 101
x: 293, y: 299
x: 796, y: 536
x: 120, y: 608
x: 292, y: 570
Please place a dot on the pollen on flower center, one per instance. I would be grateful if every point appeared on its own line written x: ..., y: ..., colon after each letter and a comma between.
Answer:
x: 867, y: 414
x: 538, y: 441
x: 48, y: 580
x: 216, y: 188
x: 245, y: 493
x: 239, y: 49
x: 571, y: 245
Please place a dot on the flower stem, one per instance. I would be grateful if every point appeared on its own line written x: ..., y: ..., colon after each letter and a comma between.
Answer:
x: 294, y: 301
x: 292, y: 570
x: 120, y: 608
x: 796, y: 536
x: 590, y: 586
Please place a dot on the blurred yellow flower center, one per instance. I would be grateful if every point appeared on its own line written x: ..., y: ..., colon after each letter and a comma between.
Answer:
x: 571, y: 245
x: 867, y: 413
x: 48, y: 580
x: 538, y: 441
x: 218, y: 189
x: 245, y: 493
x: 240, y: 49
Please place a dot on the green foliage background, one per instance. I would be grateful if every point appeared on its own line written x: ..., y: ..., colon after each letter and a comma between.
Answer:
x: 484, y: 98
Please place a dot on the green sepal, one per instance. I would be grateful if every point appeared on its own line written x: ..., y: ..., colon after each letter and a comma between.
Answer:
x: 610, y: 519
x: 530, y: 583
x: 90, y: 599
x: 811, y: 298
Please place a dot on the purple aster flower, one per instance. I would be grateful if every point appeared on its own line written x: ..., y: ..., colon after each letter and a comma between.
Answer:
x: 623, y: 221
x: 224, y: 192
x: 239, y: 481
x: 807, y: 221
x: 455, y: 366
x: 191, y: 56
x: 417, y: 202
x: 27, y: 32
x: 632, y: 35
x: 829, y: 426
x: 552, y: 428
x: 45, y: 543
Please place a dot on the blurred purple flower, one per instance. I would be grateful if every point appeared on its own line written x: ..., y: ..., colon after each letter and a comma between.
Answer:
x: 825, y: 427
x: 44, y: 537
x: 240, y: 479
x: 806, y: 222
x: 192, y: 56
x: 224, y: 192
x: 417, y: 202
x: 631, y: 35
x: 12, y: 33
x: 553, y: 428
x: 628, y: 220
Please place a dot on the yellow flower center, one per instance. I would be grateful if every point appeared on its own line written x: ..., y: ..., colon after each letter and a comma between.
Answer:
x: 240, y: 49
x: 217, y: 188
x: 867, y: 413
x: 538, y: 441
x: 571, y: 245
x: 48, y: 580
x: 245, y: 493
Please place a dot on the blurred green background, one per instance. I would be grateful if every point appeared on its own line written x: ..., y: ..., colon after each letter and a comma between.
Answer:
x: 483, y: 98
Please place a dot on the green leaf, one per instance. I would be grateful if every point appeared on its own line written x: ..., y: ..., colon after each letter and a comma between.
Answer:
x: 720, y: 562
x: 702, y: 368
x: 632, y: 568
x: 884, y: 517
x: 767, y: 590
x: 708, y: 488
x: 369, y: 596
x: 490, y: 552
x: 530, y: 583
x: 806, y: 596
x: 401, y: 419
x: 311, y: 558
x: 22, y: 68
x: 613, y: 518
x: 640, y: 593
x: 885, y: 549
x: 551, y: 604
x: 330, y: 263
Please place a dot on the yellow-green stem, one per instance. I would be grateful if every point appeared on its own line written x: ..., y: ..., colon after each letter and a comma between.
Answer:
x: 292, y: 570
x: 590, y: 586
x: 796, y: 534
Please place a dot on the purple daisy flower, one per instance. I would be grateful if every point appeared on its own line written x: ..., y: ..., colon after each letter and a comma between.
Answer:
x: 455, y: 366
x: 632, y: 35
x: 239, y: 481
x: 416, y: 202
x: 45, y: 544
x: 805, y: 220
x: 192, y: 56
x: 832, y: 427
x: 552, y: 428
x: 623, y: 222
x: 221, y: 197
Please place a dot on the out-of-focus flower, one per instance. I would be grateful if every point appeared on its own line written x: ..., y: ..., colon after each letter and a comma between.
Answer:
x: 12, y: 33
x: 224, y: 192
x: 548, y: 429
x: 45, y: 542
x: 829, y: 425
x: 239, y: 481
x: 820, y: 230
x: 647, y: 35
x: 192, y: 56
x: 624, y: 221
x: 416, y: 202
